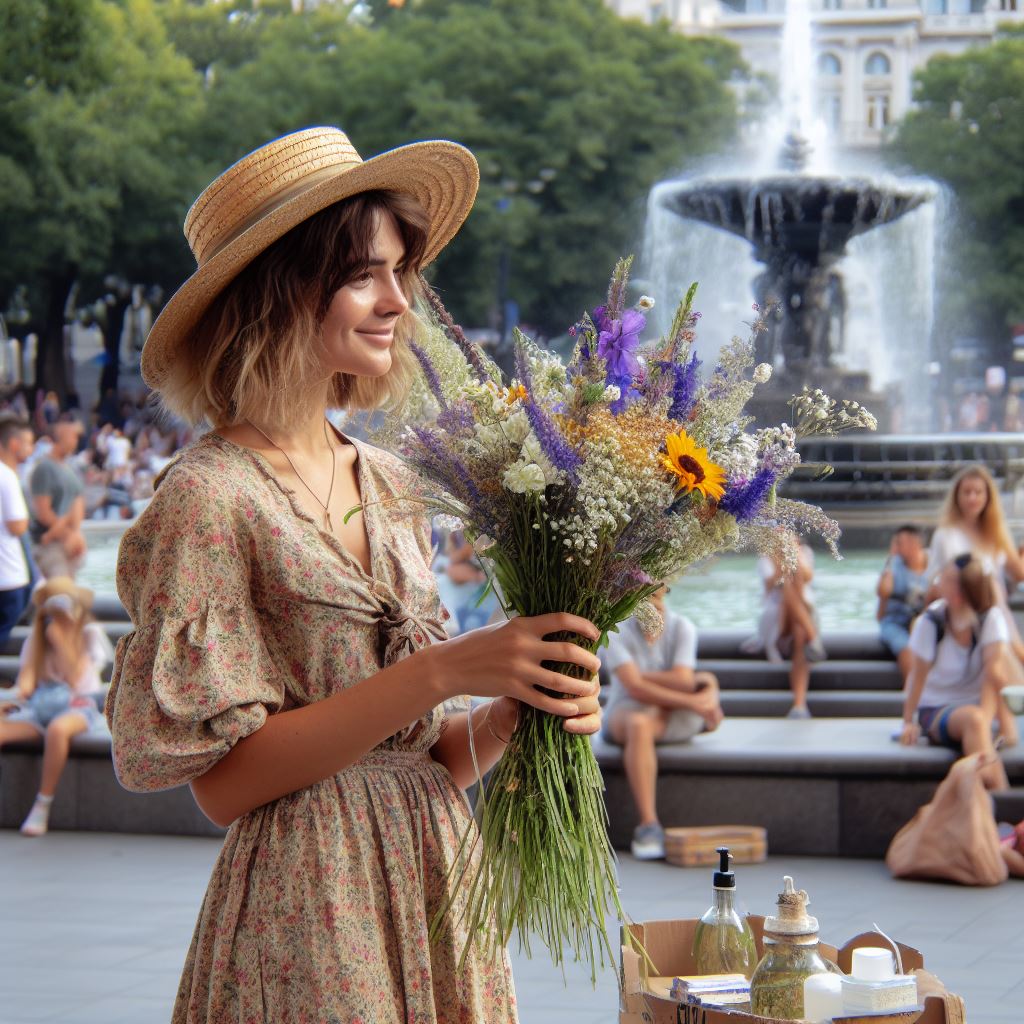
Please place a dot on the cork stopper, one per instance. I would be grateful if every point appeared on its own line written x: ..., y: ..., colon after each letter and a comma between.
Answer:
x: 792, y: 917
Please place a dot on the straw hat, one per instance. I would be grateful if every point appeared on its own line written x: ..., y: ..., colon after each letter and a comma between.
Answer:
x: 62, y: 586
x: 278, y: 186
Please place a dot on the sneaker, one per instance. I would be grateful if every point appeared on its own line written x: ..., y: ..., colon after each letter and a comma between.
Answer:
x: 38, y: 820
x: 798, y: 712
x: 648, y: 842
x: 816, y: 650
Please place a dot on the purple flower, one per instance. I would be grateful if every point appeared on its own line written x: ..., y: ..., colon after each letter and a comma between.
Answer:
x: 685, y: 381
x: 554, y: 445
x: 445, y: 467
x: 618, y: 341
x: 430, y: 372
x: 743, y: 499
x: 457, y: 418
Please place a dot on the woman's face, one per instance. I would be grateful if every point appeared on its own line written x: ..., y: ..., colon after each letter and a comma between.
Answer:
x: 971, y: 498
x: 359, y: 329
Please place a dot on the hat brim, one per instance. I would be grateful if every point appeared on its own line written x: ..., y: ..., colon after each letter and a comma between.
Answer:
x: 442, y: 176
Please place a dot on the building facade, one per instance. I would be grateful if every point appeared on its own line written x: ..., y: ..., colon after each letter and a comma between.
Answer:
x: 866, y: 50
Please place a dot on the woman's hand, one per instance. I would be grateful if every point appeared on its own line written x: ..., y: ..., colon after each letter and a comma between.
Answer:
x: 588, y: 721
x: 911, y: 734
x: 505, y: 660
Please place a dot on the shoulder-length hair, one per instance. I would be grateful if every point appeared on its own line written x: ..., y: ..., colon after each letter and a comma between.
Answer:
x: 39, y: 648
x: 254, y: 355
x: 991, y: 523
x: 976, y: 586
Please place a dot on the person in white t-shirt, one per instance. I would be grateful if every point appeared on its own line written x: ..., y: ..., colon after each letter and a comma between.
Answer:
x: 58, y: 685
x: 960, y: 646
x: 656, y: 697
x: 972, y: 521
x: 15, y: 573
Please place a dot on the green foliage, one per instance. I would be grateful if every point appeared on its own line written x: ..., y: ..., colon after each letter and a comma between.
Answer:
x: 115, y: 113
x: 968, y: 131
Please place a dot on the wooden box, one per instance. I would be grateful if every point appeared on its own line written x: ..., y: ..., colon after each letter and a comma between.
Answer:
x: 695, y: 847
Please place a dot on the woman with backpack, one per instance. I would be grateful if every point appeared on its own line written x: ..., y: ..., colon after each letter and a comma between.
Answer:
x: 959, y: 647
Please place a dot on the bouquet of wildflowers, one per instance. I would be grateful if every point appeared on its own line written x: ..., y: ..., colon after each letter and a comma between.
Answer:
x: 583, y: 487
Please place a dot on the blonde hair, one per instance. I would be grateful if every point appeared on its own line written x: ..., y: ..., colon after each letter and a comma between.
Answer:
x: 991, y: 523
x: 253, y: 353
x: 37, y: 650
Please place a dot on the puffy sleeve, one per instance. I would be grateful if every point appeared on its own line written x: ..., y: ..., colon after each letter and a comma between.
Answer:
x: 194, y: 676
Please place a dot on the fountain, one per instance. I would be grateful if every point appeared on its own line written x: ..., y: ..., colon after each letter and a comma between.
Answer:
x: 799, y: 217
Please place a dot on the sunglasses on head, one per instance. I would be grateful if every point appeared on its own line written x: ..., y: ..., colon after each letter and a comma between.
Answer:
x: 962, y: 561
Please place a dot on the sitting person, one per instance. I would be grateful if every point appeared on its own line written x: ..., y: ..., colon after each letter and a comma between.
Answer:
x: 973, y: 521
x: 788, y: 627
x: 901, y: 593
x: 58, y: 685
x: 959, y: 648
x: 656, y: 697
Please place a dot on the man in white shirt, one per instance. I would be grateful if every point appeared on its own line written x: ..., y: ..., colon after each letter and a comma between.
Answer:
x: 656, y: 697
x: 15, y: 577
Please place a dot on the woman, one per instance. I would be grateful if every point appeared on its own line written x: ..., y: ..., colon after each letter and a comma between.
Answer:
x: 958, y: 651
x: 58, y: 685
x: 285, y: 660
x: 972, y: 521
x: 788, y: 627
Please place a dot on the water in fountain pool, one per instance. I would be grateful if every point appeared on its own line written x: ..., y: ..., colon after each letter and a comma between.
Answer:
x: 724, y: 594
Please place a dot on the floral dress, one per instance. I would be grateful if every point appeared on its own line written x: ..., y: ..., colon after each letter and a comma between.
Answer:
x: 320, y: 903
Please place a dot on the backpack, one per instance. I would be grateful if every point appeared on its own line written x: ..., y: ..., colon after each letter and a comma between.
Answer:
x: 937, y: 617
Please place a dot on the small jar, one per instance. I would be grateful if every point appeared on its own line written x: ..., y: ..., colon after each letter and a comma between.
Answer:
x: 791, y: 956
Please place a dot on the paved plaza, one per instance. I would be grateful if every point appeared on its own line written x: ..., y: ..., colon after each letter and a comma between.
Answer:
x: 94, y: 927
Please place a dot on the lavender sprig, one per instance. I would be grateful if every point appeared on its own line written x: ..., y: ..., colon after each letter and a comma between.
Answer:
x: 445, y: 467
x: 430, y: 372
x: 559, y: 452
x: 744, y: 499
x: 468, y: 348
x: 685, y: 383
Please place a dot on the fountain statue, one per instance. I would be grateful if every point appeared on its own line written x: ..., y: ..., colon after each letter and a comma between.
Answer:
x: 799, y: 225
x: 799, y: 217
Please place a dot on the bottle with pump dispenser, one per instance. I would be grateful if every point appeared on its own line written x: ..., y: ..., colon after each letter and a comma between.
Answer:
x: 724, y: 942
x: 791, y: 956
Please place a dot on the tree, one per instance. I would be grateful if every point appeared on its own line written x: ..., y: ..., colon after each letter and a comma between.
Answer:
x: 968, y: 130
x: 609, y: 106
x: 92, y: 168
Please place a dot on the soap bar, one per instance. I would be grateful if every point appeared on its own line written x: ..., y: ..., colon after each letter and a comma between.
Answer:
x: 898, y: 993
x: 823, y: 997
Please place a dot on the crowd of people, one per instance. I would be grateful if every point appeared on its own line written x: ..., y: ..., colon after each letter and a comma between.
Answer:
x: 943, y: 614
x: 943, y: 608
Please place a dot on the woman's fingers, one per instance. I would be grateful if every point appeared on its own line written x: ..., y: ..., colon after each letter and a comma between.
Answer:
x: 572, y: 653
x: 559, y: 683
x: 588, y: 721
x: 561, y: 622
x: 552, y: 705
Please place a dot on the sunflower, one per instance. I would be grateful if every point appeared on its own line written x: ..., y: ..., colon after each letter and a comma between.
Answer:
x: 692, y: 467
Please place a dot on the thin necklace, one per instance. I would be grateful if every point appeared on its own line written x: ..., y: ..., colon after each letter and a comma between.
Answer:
x: 328, y: 525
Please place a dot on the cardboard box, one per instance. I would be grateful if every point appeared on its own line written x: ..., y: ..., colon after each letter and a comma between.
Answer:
x: 669, y: 944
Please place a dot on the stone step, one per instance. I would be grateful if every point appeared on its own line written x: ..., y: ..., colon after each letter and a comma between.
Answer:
x: 114, y: 630
x: 858, y: 646
x: 822, y: 787
x: 1009, y: 804
x: 735, y: 674
x: 830, y: 704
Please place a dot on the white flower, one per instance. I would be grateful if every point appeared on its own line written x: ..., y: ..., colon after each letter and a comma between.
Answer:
x: 483, y: 543
x: 762, y: 373
x: 524, y: 478
x: 612, y: 393
x: 645, y: 303
x: 517, y: 427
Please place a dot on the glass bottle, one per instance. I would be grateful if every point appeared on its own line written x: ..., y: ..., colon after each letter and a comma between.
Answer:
x: 791, y: 956
x: 723, y: 942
